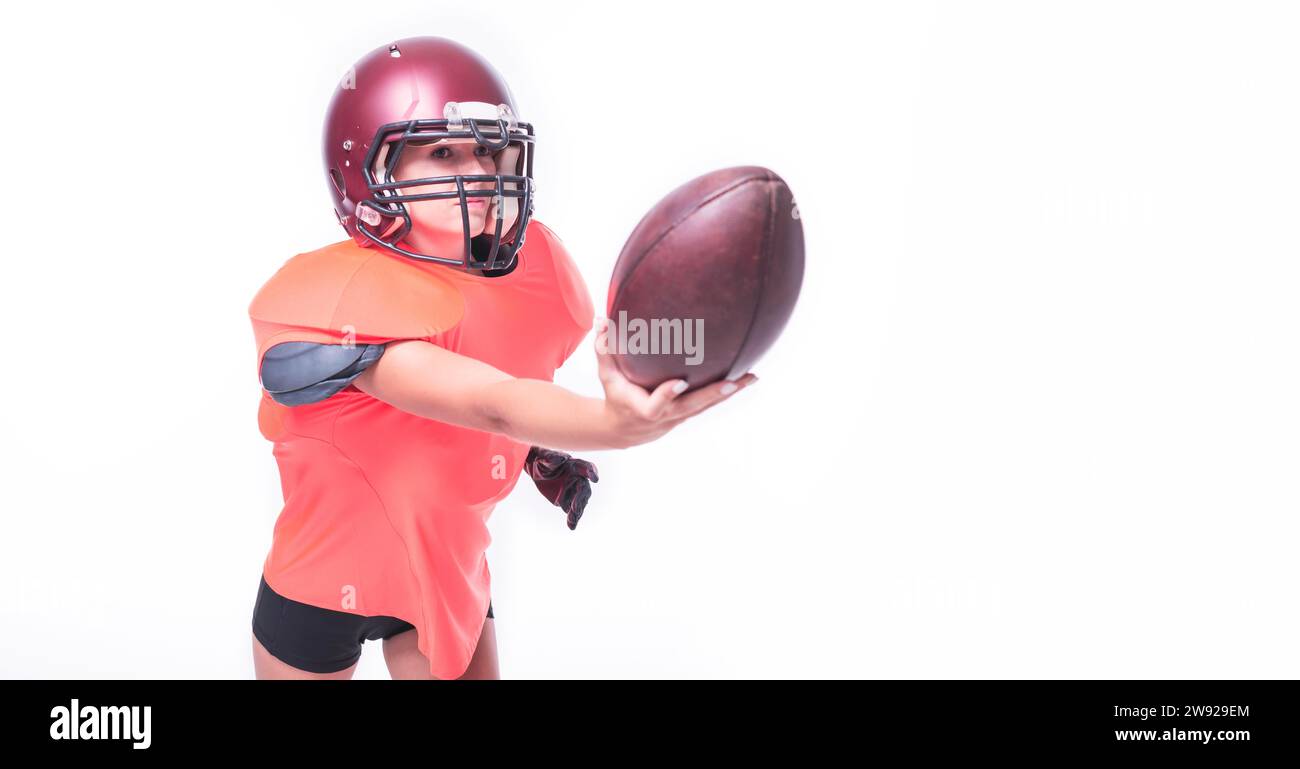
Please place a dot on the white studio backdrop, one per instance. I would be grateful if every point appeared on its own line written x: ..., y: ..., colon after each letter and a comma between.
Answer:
x: 1035, y: 415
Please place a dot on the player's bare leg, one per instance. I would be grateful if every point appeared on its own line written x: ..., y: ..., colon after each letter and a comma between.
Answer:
x: 268, y: 668
x: 406, y: 663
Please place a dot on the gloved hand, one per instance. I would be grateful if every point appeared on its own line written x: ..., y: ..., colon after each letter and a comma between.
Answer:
x: 563, y: 480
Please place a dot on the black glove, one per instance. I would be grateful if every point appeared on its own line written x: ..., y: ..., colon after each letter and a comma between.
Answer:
x: 563, y: 480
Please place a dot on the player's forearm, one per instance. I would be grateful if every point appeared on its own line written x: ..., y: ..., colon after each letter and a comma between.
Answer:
x: 434, y: 383
x: 545, y: 414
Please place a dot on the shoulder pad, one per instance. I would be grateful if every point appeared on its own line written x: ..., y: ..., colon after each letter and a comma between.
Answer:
x: 365, y: 292
x: 572, y: 287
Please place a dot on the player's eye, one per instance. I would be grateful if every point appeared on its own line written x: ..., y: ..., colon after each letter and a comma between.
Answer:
x: 442, y: 153
x: 482, y: 151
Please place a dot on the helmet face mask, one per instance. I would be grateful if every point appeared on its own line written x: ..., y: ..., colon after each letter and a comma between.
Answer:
x: 423, y: 91
x: 389, y: 197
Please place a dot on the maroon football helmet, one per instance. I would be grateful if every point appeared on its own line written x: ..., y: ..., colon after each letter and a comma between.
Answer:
x: 415, y: 91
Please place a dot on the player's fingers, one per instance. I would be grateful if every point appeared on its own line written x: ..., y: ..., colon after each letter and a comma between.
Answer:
x: 581, y: 497
x: 567, y: 495
x: 585, y: 469
x: 708, y: 397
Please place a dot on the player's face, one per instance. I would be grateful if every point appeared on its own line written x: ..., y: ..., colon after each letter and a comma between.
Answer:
x: 436, y: 225
x: 447, y: 157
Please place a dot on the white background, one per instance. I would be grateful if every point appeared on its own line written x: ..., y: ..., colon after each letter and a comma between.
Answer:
x: 1035, y: 415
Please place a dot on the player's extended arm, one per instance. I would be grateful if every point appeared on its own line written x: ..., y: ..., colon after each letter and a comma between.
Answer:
x: 432, y: 382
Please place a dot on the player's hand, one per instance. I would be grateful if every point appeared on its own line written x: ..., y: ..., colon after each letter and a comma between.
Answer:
x: 563, y: 479
x: 639, y: 416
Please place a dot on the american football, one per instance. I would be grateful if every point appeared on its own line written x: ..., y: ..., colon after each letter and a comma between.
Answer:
x: 707, y: 280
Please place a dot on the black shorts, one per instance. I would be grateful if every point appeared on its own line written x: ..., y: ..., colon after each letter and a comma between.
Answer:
x: 314, y: 639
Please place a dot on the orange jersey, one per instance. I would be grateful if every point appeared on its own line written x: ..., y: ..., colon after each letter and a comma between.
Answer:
x: 385, y: 512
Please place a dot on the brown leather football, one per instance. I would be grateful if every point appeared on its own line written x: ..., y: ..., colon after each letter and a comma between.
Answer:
x: 707, y: 280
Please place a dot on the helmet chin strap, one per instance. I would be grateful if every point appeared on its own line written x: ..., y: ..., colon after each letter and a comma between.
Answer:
x: 506, y: 254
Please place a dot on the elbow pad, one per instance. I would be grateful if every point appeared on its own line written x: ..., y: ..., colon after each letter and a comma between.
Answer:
x: 298, y: 373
